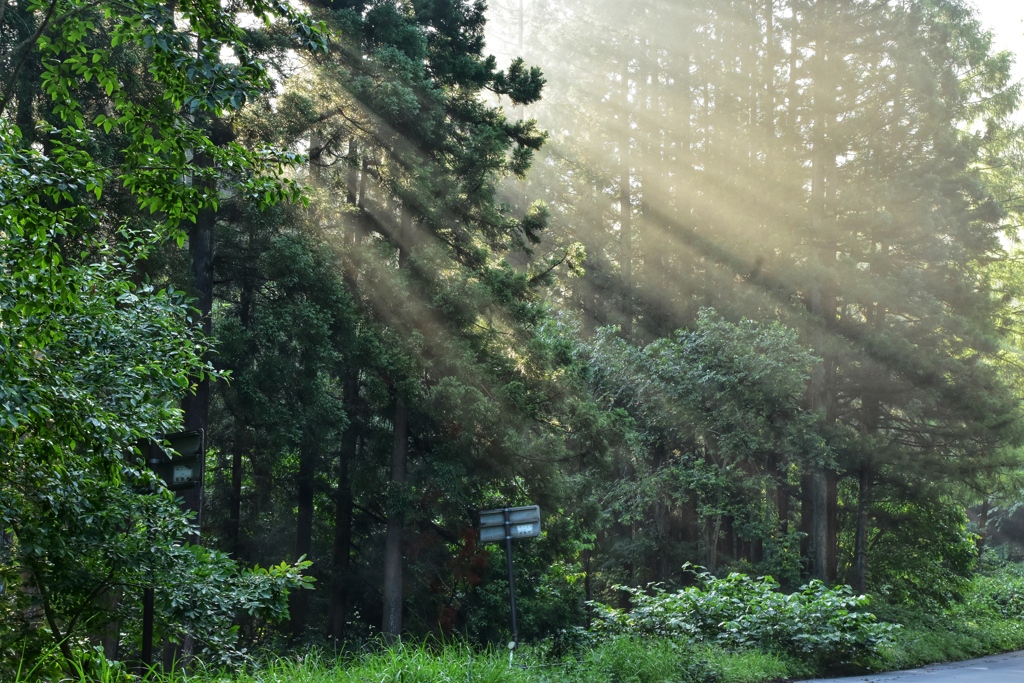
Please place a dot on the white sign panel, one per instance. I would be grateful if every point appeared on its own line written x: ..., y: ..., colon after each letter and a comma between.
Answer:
x: 182, y: 474
x: 523, y: 522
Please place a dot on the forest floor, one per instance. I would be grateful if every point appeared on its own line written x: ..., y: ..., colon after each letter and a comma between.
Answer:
x: 986, y: 619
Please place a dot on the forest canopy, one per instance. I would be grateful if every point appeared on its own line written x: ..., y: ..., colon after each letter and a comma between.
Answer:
x: 726, y: 284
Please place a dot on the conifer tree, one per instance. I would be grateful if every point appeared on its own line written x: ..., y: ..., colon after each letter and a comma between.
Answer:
x: 810, y: 163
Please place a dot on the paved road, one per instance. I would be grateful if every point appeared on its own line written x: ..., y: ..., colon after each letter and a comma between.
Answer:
x: 1005, y: 668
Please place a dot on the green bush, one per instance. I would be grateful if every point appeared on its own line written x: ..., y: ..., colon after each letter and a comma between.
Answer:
x: 816, y: 623
x: 998, y: 592
x: 923, y: 554
x: 988, y: 619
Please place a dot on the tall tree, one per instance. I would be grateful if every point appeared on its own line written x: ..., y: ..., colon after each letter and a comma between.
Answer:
x: 110, y: 354
x: 827, y: 181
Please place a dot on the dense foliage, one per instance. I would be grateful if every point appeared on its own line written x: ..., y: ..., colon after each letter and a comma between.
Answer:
x: 751, y: 309
x: 96, y: 358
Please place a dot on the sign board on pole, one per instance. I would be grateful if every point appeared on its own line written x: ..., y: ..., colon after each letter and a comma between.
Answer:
x: 505, y: 524
x: 181, y: 464
x: 523, y: 522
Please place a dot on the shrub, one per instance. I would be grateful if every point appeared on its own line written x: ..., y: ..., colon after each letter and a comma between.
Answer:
x: 998, y: 592
x: 923, y: 555
x: 816, y: 622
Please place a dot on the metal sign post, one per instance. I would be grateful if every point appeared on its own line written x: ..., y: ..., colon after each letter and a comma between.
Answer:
x: 511, y: 580
x: 509, y: 523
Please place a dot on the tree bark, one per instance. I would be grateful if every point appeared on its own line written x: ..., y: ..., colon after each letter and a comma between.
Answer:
x: 860, y: 560
x: 393, y: 546
x: 660, y: 514
x: 243, y: 438
x: 821, y: 306
x: 712, y: 532
x: 299, y: 603
x: 27, y: 81
x: 983, y: 526
x: 783, y: 506
x: 235, y: 512
x: 338, y: 606
x: 393, y: 561
x: 352, y: 190
x: 626, y: 212
x: 819, y: 524
x: 337, y: 611
x: 306, y: 489
x: 196, y: 407
x: 832, y: 526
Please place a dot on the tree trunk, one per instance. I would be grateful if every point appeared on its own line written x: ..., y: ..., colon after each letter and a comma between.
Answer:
x: 712, y: 531
x: 393, y: 559
x: 352, y: 195
x: 110, y: 635
x: 860, y: 560
x: 806, y: 520
x: 832, y: 526
x: 299, y: 604
x: 235, y: 511
x: 242, y: 442
x: 730, y: 538
x: 338, y: 606
x: 821, y: 306
x: 196, y: 406
x: 783, y: 505
x: 337, y: 611
x: 392, y: 626
x: 983, y: 526
x: 23, y: 83
x: 626, y: 211
x: 662, y: 518
x: 819, y: 524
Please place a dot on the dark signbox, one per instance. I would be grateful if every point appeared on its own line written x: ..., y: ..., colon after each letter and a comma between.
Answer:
x: 177, y: 459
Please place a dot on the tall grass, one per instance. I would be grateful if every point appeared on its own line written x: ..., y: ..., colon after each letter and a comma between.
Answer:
x: 399, y: 664
x: 616, y: 660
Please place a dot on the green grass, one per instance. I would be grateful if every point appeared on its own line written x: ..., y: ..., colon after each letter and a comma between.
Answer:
x: 618, y: 660
x: 639, y: 660
x: 404, y: 664
x: 754, y: 666
x: 917, y: 646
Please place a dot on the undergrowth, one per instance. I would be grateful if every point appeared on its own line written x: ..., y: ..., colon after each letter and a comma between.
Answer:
x: 990, y: 619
